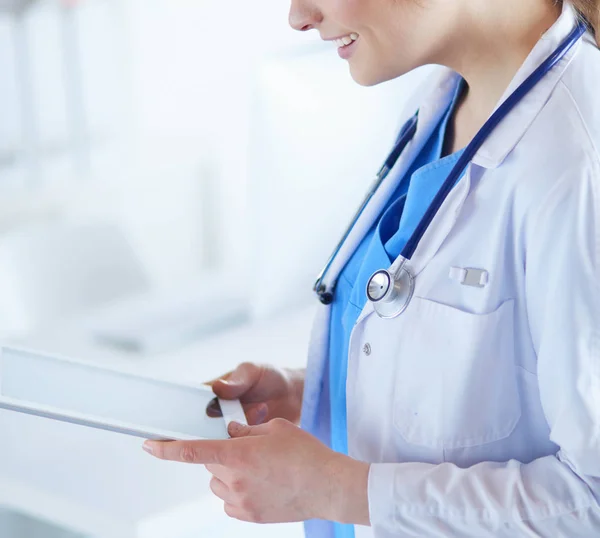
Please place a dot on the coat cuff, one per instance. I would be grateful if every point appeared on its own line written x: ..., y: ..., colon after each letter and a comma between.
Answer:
x: 382, y: 508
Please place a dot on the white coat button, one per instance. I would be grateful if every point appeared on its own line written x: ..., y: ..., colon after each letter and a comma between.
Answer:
x: 367, y: 349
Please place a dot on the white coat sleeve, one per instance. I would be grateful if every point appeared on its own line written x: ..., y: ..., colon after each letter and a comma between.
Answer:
x: 557, y: 495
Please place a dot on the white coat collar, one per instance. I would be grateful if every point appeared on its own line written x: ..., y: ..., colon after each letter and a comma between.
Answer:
x: 507, y: 135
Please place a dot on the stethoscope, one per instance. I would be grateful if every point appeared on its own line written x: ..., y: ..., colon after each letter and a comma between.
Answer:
x: 391, y: 291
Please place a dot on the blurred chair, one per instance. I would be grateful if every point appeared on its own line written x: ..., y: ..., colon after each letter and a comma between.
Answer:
x: 61, y: 270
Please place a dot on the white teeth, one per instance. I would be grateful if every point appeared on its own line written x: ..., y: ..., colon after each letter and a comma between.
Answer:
x: 346, y: 40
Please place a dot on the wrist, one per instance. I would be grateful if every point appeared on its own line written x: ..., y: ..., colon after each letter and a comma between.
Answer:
x: 348, y: 484
x: 296, y: 383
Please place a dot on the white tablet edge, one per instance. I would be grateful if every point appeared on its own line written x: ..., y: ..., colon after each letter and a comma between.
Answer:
x: 53, y: 413
x: 232, y: 412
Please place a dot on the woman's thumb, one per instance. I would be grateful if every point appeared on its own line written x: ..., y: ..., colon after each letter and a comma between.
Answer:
x: 237, y: 383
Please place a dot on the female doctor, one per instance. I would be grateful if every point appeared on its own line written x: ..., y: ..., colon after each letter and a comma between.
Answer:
x: 466, y: 402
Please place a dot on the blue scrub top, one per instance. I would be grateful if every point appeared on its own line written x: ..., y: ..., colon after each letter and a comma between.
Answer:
x: 382, y: 245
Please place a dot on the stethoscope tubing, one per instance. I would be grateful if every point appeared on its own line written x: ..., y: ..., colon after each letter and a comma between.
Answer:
x: 408, y: 132
x: 501, y: 113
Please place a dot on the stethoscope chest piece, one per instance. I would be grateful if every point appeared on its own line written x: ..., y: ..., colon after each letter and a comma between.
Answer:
x: 391, y: 293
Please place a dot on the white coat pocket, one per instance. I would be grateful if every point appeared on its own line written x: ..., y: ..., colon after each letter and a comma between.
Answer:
x: 456, y: 383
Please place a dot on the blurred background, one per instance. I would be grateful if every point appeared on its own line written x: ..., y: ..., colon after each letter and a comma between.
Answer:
x: 173, y: 175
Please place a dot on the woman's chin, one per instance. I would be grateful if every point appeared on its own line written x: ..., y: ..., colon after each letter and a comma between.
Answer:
x: 362, y: 76
x: 366, y: 76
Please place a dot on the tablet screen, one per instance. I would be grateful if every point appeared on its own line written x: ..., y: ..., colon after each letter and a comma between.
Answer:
x: 76, y: 388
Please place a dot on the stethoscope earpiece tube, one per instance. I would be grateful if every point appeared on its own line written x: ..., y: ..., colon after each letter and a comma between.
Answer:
x: 407, y: 133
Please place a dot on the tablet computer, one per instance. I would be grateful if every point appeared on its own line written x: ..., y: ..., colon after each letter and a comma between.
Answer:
x: 72, y: 391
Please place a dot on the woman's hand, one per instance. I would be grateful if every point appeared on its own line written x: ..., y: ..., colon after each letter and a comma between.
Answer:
x: 265, y: 392
x: 276, y: 472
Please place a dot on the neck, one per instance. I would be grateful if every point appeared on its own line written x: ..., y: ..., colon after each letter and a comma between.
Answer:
x: 495, y: 39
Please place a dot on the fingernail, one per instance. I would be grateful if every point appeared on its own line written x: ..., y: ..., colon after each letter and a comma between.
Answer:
x: 230, y: 382
x: 213, y: 409
x: 148, y: 447
x: 234, y: 427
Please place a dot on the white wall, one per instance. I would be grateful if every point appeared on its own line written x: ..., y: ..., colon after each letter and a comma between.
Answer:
x: 205, y: 52
x: 183, y: 95
x: 165, y: 87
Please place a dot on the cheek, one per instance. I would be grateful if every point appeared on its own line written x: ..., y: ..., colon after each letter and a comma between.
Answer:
x: 378, y: 20
x: 351, y: 14
x: 392, y: 42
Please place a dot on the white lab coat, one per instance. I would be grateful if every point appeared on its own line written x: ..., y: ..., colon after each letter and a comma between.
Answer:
x: 479, y: 408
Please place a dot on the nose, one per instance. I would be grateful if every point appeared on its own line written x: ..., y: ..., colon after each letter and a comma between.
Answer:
x: 304, y: 15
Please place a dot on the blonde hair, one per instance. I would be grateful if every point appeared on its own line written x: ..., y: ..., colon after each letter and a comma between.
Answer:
x: 590, y: 12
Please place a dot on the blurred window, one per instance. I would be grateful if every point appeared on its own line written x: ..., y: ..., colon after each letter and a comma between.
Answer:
x: 60, y: 88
